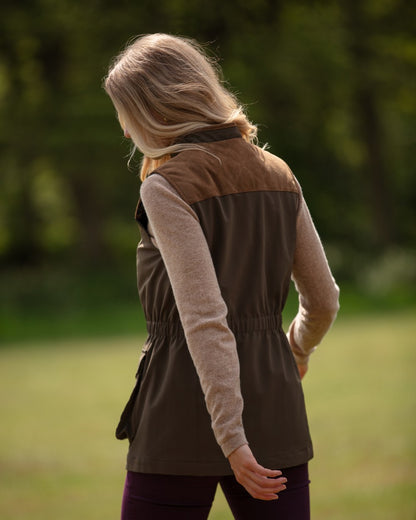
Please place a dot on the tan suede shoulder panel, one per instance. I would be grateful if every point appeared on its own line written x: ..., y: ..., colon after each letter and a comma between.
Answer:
x: 224, y: 168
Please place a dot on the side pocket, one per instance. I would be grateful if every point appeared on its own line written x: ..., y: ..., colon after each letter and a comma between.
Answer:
x: 124, y: 429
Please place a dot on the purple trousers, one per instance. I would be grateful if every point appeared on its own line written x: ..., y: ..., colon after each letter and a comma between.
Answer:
x: 168, y: 497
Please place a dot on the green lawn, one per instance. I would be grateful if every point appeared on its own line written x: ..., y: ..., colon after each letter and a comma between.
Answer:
x: 60, y: 402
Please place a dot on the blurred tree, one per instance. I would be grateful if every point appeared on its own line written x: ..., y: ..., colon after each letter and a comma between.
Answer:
x: 360, y: 29
x: 331, y: 85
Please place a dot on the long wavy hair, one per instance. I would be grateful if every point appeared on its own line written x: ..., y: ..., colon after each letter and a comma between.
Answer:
x: 164, y: 87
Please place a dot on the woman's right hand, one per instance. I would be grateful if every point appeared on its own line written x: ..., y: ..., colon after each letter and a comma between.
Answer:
x: 260, y: 482
x: 302, y: 370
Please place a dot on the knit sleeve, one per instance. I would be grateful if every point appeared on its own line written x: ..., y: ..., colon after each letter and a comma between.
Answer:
x: 178, y: 235
x: 318, y: 292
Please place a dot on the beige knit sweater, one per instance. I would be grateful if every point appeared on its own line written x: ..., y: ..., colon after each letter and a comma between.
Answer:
x: 175, y: 230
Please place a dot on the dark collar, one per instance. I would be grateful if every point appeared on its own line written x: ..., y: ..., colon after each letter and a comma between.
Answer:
x: 210, y: 135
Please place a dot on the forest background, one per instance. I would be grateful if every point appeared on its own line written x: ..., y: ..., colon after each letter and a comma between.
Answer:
x: 331, y: 85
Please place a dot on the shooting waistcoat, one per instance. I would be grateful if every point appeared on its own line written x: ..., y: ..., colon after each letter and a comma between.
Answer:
x: 246, y: 200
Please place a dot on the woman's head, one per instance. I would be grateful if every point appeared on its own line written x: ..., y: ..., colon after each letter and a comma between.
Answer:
x: 164, y: 86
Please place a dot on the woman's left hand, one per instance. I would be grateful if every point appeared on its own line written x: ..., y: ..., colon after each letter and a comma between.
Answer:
x: 260, y: 482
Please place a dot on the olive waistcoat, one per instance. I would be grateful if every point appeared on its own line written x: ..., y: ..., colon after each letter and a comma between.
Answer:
x: 246, y: 201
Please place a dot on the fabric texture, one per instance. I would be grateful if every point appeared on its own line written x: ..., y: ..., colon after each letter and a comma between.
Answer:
x: 220, y: 232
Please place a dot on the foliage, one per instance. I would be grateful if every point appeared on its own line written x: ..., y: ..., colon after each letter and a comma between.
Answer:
x: 331, y: 85
x: 50, y: 305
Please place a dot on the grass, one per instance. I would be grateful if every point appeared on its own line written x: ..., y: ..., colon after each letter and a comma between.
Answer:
x: 60, y: 400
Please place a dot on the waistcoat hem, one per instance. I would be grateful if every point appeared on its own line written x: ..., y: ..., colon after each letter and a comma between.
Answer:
x: 218, y: 468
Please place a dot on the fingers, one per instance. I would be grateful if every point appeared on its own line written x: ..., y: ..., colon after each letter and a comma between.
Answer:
x: 262, y: 483
x: 262, y: 491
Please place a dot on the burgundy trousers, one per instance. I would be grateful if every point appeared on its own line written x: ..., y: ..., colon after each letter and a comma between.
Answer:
x: 167, y: 497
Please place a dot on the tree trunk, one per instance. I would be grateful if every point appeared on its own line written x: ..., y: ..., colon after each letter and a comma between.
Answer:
x: 374, y: 174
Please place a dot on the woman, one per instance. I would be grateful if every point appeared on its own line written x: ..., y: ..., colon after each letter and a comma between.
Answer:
x: 224, y: 226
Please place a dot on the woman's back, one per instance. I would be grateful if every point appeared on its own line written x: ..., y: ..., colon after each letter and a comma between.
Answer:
x: 246, y: 202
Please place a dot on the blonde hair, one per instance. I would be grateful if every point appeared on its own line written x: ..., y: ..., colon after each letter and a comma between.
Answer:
x: 164, y: 87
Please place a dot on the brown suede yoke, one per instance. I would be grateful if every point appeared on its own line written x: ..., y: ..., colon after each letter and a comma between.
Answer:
x: 198, y: 175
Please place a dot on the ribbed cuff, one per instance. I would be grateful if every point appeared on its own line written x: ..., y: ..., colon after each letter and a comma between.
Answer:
x: 300, y: 357
x: 233, y: 443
